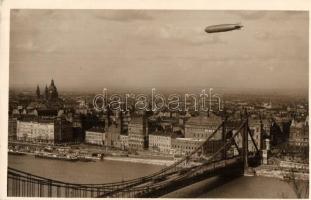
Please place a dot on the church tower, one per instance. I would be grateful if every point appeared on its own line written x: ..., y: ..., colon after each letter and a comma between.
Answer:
x: 38, y: 92
x: 46, y: 93
x: 52, y: 91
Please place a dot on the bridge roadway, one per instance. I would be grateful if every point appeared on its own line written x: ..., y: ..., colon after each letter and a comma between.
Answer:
x: 174, y: 181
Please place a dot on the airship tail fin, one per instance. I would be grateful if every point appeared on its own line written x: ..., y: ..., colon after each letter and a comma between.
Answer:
x: 239, y: 25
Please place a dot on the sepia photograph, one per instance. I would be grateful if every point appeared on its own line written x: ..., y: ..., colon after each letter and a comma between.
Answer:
x: 158, y: 103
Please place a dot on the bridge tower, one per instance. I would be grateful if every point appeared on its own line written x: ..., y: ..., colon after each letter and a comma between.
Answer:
x: 223, y: 135
x: 245, y: 144
x: 244, y: 132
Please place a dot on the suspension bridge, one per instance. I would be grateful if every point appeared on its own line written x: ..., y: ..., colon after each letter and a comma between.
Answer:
x: 192, y: 168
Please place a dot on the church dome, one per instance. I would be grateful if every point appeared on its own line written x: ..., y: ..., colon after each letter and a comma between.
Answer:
x: 52, y: 93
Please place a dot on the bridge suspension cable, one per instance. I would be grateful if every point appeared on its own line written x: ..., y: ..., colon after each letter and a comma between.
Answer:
x: 26, y: 184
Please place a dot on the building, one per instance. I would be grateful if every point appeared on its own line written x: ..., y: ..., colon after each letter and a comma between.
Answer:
x: 299, y: 133
x: 78, y: 133
x: 258, y: 129
x: 82, y: 108
x: 137, y: 133
x: 44, y: 130
x: 185, y: 146
x: 95, y: 135
x: 283, y: 123
x: 113, y: 127
x: 124, y: 141
x: 202, y: 127
x: 212, y: 146
x: 160, y: 141
x: 256, y: 132
x: 33, y: 131
x: 62, y: 130
x: 12, y: 129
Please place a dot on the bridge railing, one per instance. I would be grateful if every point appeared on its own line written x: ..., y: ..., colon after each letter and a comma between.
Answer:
x: 27, y: 185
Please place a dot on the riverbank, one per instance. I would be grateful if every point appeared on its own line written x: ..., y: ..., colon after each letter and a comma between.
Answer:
x: 95, y: 152
x: 272, y: 172
x: 150, y: 161
x: 140, y: 160
x: 238, y: 187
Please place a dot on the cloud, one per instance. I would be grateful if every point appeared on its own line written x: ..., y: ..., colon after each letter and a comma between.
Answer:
x: 275, y: 15
x: 124, y: 16
x: 26, y: 46
x: 101, y: 42
x: 30, y: 45
x: 276, y: 36
x: 250, y: 15
x: 182, y: 35
x: 21, y: 13
x: 287, y: 15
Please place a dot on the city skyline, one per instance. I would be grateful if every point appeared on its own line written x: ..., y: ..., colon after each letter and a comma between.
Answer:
x: 107, y: 102
x: 92, y: 49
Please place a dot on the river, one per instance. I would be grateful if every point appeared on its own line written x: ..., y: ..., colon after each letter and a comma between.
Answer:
x: 111, y: 171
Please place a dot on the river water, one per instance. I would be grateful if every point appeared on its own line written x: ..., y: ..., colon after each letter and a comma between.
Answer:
x: 111, y: 171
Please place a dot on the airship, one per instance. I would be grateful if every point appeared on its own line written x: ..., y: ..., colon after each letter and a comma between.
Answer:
x: 222, y: 28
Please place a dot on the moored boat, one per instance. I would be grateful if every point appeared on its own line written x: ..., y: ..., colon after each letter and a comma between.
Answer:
x: 85, y: 159
x: 19, y: 153
x: 56, y: 157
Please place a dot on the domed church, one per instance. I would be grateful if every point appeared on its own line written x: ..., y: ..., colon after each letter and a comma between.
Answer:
x: 49, y: 97
x: 51, y: 92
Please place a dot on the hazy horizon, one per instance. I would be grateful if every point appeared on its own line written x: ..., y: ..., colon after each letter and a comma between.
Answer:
x: 91, y: 49
x: 147, y: 91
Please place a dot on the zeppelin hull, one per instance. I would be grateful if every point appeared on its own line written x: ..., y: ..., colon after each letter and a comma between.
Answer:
x: 222, y: 28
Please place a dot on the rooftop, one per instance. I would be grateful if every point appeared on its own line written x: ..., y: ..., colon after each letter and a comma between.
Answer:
x: 191, y: 139
x: 204, y: 120
x: 136, y: 120
x: 97, y: 129
x: 161, y: 133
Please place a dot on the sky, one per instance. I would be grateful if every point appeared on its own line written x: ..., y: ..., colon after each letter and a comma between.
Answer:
x: 95, y: 49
